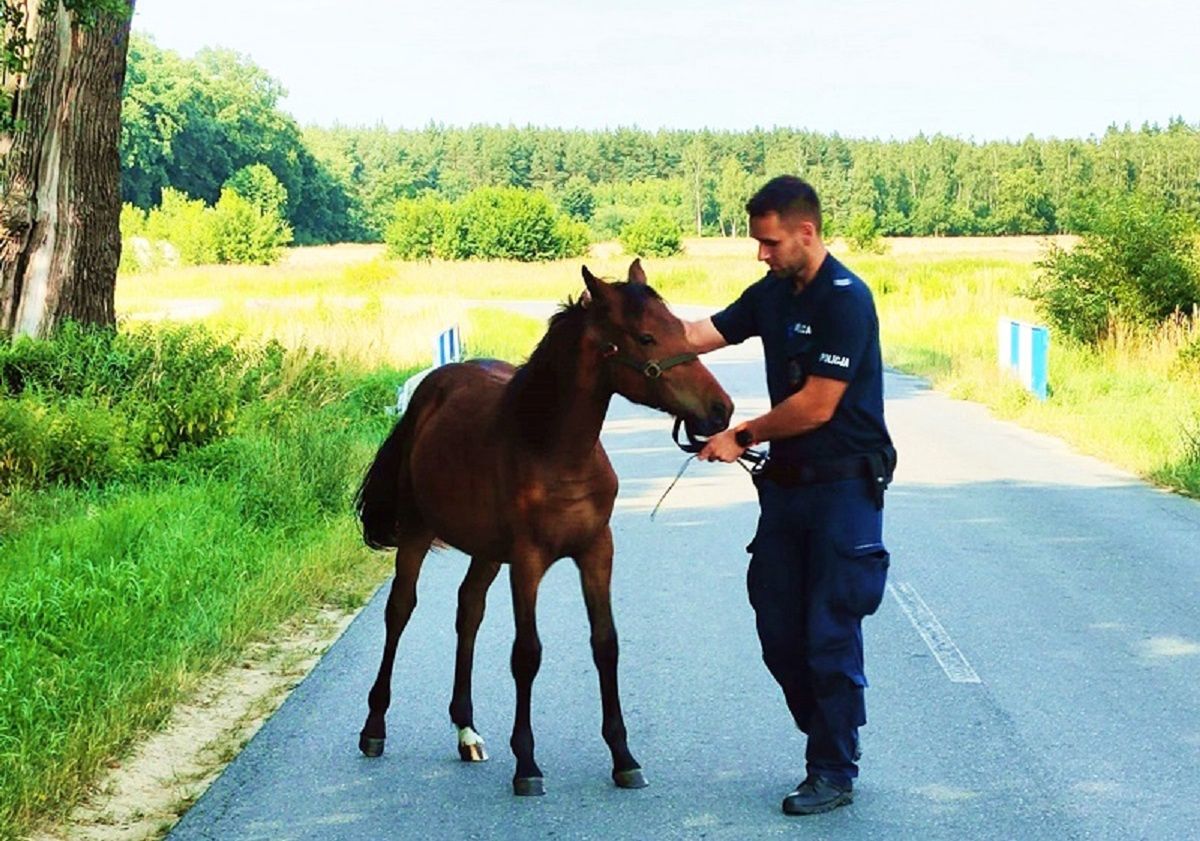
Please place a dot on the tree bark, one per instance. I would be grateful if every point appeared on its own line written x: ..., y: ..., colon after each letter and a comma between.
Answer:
x: 60, y: 202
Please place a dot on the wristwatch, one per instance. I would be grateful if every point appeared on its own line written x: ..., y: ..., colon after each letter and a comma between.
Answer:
x: 743, y: 437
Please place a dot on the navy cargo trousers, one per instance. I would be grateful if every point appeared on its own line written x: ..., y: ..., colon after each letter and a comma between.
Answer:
x: 818, y: 566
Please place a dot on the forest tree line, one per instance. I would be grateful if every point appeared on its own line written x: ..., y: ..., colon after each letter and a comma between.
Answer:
x: 192, y: 123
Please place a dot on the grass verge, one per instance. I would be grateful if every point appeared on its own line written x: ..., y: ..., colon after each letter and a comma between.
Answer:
x: 118, y: 595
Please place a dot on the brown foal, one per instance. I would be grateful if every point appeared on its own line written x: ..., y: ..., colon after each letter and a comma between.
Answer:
x: 505, y: 464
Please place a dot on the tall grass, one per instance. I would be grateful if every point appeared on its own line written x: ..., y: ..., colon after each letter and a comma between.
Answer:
x: 118, y: 592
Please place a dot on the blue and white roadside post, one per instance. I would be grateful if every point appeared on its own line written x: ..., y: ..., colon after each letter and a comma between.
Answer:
x: 447, y: 348
x: 1024, y: 349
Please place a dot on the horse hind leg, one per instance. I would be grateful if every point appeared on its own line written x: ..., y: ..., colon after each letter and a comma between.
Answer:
x: 401, y: 601
x: 472, y: 598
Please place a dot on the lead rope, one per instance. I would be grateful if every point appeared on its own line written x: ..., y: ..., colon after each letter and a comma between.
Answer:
x: 678, y: 475
x: 741, y: 462
x: 750, y: 460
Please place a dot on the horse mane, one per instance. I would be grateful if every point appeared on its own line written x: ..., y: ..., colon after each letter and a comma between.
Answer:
x: 530, y: 397
x: 532, y: 394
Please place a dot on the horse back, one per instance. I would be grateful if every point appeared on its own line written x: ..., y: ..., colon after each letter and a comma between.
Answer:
x: 480, y: 488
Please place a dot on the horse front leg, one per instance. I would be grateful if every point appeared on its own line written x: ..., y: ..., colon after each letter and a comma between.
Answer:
x: 472, y: 599
x: 595, y: 573
x: 402, y: 599
x: 525, y: 575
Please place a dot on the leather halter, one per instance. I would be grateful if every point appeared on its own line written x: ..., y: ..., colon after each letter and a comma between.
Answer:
x: 652, y: 368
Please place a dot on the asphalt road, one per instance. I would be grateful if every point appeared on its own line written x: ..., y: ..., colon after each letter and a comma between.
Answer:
x: 1035, y: 667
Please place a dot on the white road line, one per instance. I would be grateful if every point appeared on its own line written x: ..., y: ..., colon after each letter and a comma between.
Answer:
x: 952, y: 661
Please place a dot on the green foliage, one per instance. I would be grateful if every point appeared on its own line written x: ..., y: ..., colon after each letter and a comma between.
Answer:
x: 244, y: 233
x: 1186, y: 365
x: 922, y: 186
x: 417, y: 227
x: 491, y: 223
x: 1137, y: 265
x: 184, y: 223
x: 193, y: 124
x: 577, y: 199
x: 139, y: 253
x: 90, y: 404
x: 259, y: 186
x: 654, y: 233
x: 14, y: 55
x: 573, y: 236
x: 113, y: 602
x: 70, y: 441
x: 504, y: 223
x: 862, y: 233
x: 610, y: 220
x: 618, y: 205
x: 15, y: 43
x: 734, y: 188
x: 247, y: 230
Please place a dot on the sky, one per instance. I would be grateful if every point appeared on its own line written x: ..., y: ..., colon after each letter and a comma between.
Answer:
x: 859, y: 68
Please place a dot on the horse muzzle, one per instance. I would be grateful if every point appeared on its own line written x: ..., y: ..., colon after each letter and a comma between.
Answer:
x: 716, y: 420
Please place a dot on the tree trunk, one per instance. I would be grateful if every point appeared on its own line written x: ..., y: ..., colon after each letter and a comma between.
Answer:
x: 60, y: 203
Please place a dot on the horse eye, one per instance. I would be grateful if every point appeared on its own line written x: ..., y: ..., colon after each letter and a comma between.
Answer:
x: 646, y: 339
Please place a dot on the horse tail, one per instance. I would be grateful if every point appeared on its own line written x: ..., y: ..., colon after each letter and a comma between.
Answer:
x: 385, y: 498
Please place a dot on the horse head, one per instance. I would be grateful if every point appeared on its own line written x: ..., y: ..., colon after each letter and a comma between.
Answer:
x: 644, y: 351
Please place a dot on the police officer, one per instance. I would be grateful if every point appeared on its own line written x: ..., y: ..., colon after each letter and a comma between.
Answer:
x: 818, y: 562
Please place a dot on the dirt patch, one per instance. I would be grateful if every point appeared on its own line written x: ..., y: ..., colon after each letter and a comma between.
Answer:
x: 144, y: 794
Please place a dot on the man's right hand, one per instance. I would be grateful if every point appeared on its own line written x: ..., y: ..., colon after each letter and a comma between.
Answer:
x: 722, y: 447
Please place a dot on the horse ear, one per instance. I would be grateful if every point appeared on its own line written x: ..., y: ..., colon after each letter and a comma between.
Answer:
x: 636, y: 273
x: 595, y: 287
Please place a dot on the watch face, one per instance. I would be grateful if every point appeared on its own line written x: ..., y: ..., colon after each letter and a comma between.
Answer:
x: 743, y: 438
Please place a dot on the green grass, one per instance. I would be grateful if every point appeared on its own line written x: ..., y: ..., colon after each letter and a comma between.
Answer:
x: 1128, y: 402
x: 118, y: 596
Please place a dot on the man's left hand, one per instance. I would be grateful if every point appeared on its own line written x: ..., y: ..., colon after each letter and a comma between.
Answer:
x: 721, y: 447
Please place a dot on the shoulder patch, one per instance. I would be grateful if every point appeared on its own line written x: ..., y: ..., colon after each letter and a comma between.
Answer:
x: 842, y: 281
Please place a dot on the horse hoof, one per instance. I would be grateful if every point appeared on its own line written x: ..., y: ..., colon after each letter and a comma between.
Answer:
x: 370, y: 745
x: 472, y: 753
x: 633, y: 778
x: 529, y: 786
x: 470, y: 745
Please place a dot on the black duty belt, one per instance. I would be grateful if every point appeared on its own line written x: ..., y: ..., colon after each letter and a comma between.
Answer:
x: 788, y: 473
x: 876, y: 467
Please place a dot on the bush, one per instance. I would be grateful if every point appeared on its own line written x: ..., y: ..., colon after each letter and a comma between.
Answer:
x: 416, y: 228
x: 244, y: 233
x: 654, y: 233
x: 243, y: 227
x: 610, y: 220
x: 577, y: 199
x: 259, y: 186
x: 184, y: 223
x: 1137, y: 265
x: 507, y: 223
x: 862, y: 233
x: 89, y: 403
x: 67, y: 441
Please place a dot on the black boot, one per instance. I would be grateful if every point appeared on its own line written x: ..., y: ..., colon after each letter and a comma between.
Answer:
x: 815, y: 795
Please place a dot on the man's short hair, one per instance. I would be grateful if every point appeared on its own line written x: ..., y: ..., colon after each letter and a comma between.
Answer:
x: 787, y: 195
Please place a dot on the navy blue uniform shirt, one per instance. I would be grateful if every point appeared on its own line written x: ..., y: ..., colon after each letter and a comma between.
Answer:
x: 829, y: 329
